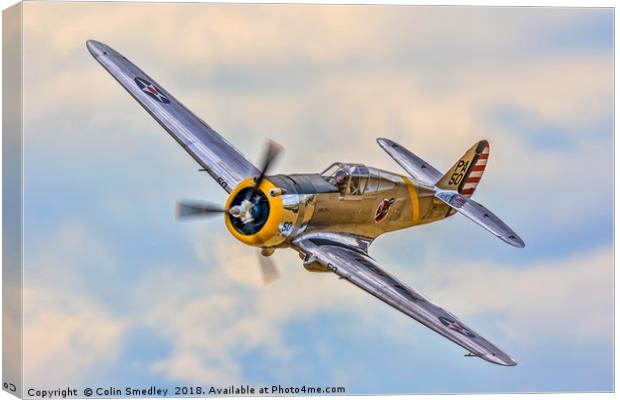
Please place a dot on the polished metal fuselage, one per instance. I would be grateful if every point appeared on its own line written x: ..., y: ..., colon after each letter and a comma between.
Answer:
x: 316, y: 206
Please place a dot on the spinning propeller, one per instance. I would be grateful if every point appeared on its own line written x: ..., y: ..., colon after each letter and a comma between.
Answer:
x: 245, y: 212
x: 273, y: 149
x: 188, y: 209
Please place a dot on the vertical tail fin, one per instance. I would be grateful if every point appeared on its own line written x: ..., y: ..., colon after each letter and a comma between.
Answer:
x: 465, y: 174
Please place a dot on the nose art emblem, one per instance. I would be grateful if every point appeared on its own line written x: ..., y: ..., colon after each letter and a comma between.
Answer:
x: 382, y: 209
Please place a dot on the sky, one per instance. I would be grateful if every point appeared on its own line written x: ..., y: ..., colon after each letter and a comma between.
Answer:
x: 124, y: 294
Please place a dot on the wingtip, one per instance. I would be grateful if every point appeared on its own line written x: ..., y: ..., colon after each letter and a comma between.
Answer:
x: 511, y: 362
x: 499, y: 359
x: 384, y: 142
x: 90, y: 45
x: 508, y: 361
x: 98, y: 49
x: 95, y: 48
x: 515, y: 241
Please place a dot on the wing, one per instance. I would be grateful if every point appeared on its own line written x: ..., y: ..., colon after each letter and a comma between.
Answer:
x: 420, y: 170
x: 356, y: 266
x: 482, y: 216
x: 222, y: 161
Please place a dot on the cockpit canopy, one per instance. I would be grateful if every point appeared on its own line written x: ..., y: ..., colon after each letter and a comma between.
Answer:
x: 351, y: 179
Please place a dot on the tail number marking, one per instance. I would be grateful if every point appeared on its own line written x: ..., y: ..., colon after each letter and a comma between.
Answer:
x: 459, y: 172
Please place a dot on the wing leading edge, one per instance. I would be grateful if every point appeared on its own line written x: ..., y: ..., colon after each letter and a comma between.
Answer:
x: 218, y: 157
x: 360, y: 269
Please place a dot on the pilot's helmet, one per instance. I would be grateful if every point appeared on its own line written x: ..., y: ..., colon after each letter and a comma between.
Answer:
x: 341, y: 178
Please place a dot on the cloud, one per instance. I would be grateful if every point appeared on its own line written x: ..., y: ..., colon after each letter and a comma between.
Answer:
x: 66, y: 337
x: 259, y: 34
x: 74, y: 252
x: 275, y: 46
x: 62, y: 317
x: 569, y: 299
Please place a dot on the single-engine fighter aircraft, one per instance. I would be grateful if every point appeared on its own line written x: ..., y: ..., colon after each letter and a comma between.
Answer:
x: 330, y: 218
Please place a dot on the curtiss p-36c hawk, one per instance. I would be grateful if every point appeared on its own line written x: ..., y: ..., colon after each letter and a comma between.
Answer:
x: 330, y: 218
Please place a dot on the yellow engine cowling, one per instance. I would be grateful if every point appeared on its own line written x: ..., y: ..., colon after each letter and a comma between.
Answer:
x: 272, y: 223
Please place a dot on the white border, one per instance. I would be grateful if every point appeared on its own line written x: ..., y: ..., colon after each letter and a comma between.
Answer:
x: 7, y: 3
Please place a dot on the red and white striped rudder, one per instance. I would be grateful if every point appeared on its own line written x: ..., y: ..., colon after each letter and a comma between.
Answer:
x: 466, y: 173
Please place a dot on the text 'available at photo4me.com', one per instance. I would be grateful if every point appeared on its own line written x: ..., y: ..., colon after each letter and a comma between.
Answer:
x: 175, y: 391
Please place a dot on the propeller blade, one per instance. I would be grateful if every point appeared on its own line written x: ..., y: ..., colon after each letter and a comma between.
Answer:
x: 268, y: 269
x: 187, y: 209
x: 273, y: 149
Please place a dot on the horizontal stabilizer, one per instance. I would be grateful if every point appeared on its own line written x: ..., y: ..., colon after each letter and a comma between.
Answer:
x: 480, y: 215
x: 418, y: 169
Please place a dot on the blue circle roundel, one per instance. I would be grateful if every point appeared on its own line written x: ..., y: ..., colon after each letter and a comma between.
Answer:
x: 150, y: 89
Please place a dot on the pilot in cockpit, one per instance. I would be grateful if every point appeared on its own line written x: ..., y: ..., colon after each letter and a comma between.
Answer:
x: 340, y: 179
x: 338, y: 176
